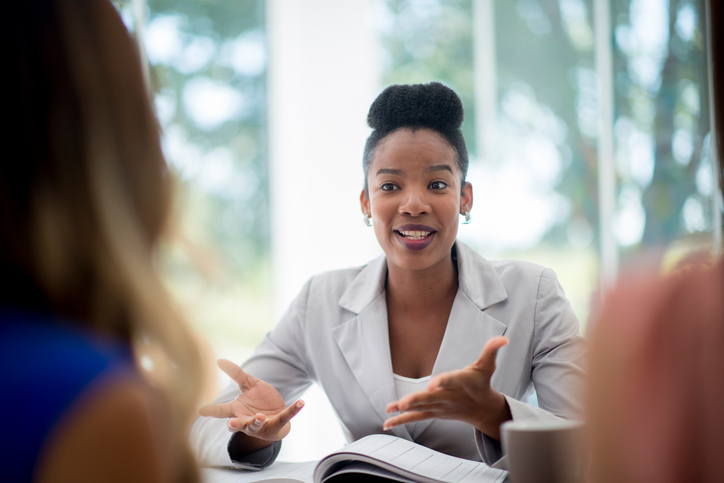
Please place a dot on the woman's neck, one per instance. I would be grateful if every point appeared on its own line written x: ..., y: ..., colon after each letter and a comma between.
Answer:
x: 416, y: 290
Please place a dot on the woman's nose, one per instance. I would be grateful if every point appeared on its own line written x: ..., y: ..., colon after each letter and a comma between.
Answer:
x: 414, y: 204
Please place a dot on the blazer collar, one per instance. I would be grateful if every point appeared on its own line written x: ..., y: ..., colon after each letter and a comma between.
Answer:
x: 366, y: 286
x: 477, y: 278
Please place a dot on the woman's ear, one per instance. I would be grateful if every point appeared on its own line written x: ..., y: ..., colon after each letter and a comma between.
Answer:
x: 466, y: 198
x: 364, y: 202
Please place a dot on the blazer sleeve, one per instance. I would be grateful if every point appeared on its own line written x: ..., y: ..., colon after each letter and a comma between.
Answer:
x: 557, y: 365
x: 280, y: 360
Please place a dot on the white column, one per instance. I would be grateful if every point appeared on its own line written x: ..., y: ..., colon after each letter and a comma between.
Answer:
x: 323, y: 76
x: 606, y: 180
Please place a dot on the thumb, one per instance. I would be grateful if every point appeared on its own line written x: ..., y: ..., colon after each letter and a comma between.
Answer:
x: 236, y: 373
x: 486, y: 362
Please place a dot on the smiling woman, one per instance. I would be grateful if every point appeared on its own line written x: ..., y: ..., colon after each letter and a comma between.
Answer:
x: 430, y: 308
x: 415, y: 173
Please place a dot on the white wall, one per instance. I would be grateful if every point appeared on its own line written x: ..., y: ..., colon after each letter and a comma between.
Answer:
x: 323, y: 76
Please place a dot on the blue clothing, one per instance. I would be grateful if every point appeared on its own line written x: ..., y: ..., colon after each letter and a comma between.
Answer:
x: 46, y: 366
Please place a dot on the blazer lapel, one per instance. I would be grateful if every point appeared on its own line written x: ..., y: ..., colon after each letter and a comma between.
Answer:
x: 466, y: 333
x: 468, y: 329
x: 364, y: 340
x: 469, y: 326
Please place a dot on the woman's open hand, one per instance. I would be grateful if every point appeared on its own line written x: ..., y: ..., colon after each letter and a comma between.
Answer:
x: 259, y: 411
x: 463, y: 395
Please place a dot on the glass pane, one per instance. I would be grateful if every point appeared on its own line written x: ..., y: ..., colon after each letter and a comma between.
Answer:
x: 662, y: 128
x: 208, y: 70
x: 543, y: 166
x: 430, y: 41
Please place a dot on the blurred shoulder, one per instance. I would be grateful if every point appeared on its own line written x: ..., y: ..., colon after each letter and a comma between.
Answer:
x: 689, y: 295
x: 115, y: 431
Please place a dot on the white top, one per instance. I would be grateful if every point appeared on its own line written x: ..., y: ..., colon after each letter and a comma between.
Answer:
x: 408, y: 385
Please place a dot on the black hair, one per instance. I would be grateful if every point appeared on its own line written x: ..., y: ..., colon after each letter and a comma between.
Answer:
x: 433, y: 106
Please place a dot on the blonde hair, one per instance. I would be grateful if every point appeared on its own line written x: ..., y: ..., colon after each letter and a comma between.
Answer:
x: 85, y: 194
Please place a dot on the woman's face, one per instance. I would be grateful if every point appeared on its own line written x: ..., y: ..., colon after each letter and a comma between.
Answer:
x: 414, y: 198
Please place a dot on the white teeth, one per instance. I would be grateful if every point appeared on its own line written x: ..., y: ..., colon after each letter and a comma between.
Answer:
x: 415, y: 235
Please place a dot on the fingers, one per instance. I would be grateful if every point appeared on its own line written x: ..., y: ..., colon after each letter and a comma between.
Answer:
x: 392, y: 407
x: 278, y: 426
x: 285, y: 416
x: 241, y: 378
x: 269, y: 429
x: 405, y: 418
x: 421, y: 401
x: 440, y: 406
x: 252, y: 426
x: 417, y: 400
x: 486, y: 362
x: 404, y: 403
x: 223, y: 410
x: 447, y: 380
x: 246, y: 425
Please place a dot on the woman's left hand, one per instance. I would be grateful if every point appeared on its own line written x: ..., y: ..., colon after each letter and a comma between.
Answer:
x: 463, y: 395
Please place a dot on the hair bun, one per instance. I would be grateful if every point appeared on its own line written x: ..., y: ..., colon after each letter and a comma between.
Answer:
x: 432, y: 105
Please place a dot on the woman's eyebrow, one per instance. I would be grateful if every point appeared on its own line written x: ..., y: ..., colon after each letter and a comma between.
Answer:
x: 439, y: 167
x: 388, y: 171
x: 430, y: 169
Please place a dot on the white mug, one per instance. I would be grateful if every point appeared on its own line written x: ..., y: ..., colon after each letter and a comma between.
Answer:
x: 545, y: 451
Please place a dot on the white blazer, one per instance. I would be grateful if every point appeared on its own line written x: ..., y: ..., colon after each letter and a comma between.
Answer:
x: 335, y: 334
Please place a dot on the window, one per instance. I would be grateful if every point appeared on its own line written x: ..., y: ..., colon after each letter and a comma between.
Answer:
x: 208, y: 63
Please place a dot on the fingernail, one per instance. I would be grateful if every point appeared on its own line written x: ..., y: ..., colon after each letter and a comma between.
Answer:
x: 300, y: 404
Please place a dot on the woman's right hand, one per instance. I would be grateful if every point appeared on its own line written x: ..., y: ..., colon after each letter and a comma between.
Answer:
x: 259, y: 411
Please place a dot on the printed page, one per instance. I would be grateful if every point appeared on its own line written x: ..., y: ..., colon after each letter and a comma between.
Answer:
x: 279, y: 472
x: 426, y: 464
x: 359, y: 468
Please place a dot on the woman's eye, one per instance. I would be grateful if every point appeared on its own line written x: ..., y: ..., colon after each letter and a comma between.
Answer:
x: 438, y: 185
x: 388, y: 187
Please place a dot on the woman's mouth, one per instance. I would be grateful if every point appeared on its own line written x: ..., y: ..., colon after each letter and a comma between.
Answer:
x: 415, y: 237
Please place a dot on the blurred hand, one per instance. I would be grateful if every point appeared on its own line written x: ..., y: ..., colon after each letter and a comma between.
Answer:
x: 259, y: 410
x: 463, y: 395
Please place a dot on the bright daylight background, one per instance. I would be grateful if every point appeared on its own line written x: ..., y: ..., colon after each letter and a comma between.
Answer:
x: 587, y: 121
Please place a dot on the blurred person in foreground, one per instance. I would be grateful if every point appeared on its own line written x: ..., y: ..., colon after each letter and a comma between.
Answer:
x: 656, y: 392
x: 84, y: 196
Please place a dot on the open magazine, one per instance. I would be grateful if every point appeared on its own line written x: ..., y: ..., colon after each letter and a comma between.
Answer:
x: 382, y: 456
